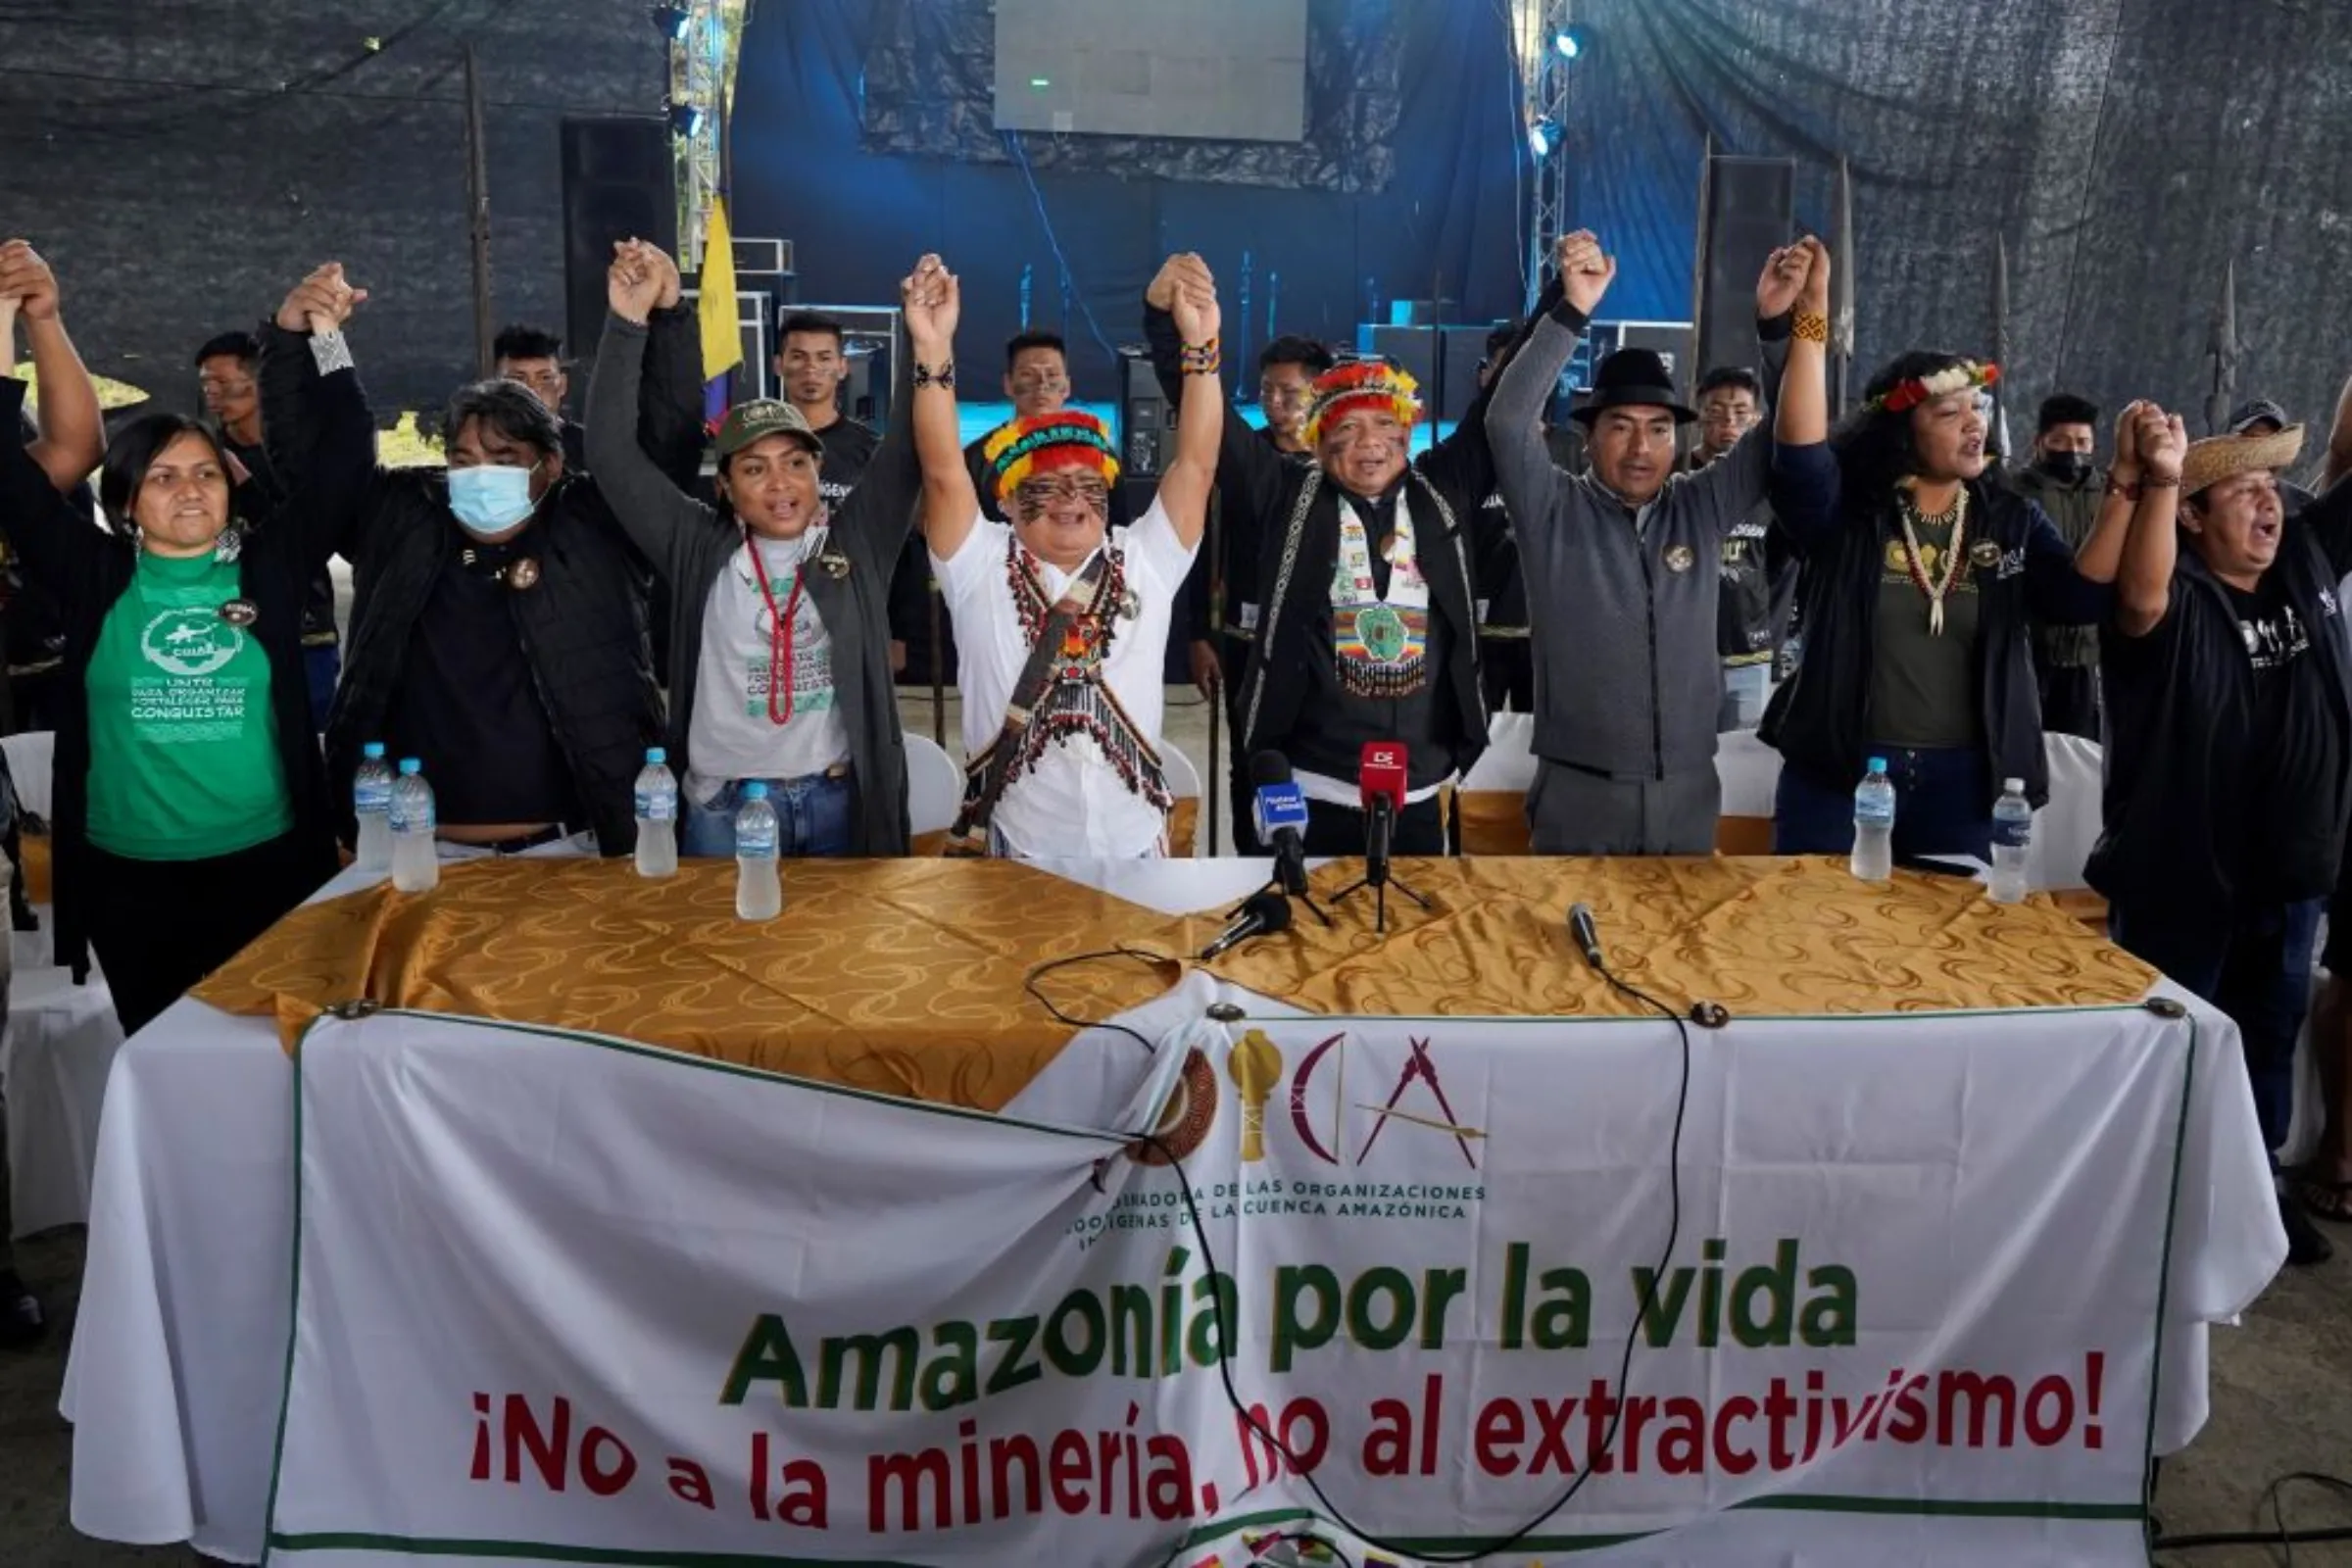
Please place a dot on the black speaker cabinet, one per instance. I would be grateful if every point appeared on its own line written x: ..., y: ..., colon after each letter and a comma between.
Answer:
x: 1750, y: 210
x: 1147, y: 423
x: 618, y: 184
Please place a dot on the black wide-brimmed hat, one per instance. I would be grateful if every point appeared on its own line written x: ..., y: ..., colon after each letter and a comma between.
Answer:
x: 1633, y: 378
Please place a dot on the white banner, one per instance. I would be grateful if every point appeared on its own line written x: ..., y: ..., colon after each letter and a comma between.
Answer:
x: 574, y: 1301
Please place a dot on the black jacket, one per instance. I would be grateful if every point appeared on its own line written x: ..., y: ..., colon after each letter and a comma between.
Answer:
x: 582, y: 625
x: 1820, y: 720
x: 85, y: 569
x: 1259, y: 490
x: 2177, y: 833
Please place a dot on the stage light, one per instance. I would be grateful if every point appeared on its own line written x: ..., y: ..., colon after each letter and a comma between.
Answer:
x: 1542, y: 137
x: 1568, y: 43
x: 686, y: 120
x: 671, y: 20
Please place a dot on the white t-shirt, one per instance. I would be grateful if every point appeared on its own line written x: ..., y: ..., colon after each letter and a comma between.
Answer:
x: 732, y: 735
x: 1072, y: 802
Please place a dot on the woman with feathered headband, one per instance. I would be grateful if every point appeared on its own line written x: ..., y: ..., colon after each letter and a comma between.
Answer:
x: 1919, y: 584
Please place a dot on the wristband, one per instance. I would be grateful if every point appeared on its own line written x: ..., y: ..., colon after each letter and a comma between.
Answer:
x: 1203, y: 359
x: 2158, y: 481
x: 2129, y: 492
x: 944, y: 377
x: 329, y: 352
x: 1811, y: 328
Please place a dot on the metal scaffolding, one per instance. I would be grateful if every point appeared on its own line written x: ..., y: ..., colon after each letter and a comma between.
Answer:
x: 706, y: 41
x: 1546, y: 42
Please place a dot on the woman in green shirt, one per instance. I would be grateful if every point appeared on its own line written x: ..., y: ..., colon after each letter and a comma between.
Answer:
x: 191, y: 807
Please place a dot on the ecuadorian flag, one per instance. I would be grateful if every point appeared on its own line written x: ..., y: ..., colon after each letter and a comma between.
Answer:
x: 715, y: 306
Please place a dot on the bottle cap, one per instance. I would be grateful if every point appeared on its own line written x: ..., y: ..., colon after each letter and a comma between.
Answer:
x: 1877, y: 764
x: 655, y: 755
x: 755, y: 790
x: 2013, y: 786
x: 372, y: 750
x: 409, y: 766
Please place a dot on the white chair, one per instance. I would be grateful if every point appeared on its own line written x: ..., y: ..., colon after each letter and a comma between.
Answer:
x: 2066, y: 828
x: 1183, y: 783
x: 934, y: 786
x: 30, y: 762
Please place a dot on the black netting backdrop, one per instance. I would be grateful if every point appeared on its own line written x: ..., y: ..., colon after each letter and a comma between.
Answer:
x: 2127, y: 150
x: 930, y: 90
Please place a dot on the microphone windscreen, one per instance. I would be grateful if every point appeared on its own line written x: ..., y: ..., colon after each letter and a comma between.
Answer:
x: 1269, y: 767
x: 1272, y: 909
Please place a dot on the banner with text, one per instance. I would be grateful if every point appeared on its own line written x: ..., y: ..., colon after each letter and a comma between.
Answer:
x: 569, y: 1299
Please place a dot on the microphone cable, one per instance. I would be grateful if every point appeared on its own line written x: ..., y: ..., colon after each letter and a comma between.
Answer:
x: 1228, y: 1344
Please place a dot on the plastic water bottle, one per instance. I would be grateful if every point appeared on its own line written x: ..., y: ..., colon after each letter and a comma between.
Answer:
x: 416, y: 859
x: 656, y: 816
x: 1874, y: 825
x: 758, y: 891
x: 2012, y: 838
x: 371, y: 801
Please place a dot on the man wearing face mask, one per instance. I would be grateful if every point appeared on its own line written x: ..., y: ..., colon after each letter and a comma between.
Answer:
x: 497, y: 626
x: 1368, y: 629
x: 1623, y: 570
x: 2063, y: 482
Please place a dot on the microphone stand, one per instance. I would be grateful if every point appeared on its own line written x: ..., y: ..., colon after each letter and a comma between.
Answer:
x: 1380, y: 824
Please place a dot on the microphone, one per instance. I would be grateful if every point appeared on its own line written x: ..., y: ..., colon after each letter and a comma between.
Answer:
x: 1587, y: 935
x: 1265, y: 913
x: 1280, y: 816
x: 1379, y: 781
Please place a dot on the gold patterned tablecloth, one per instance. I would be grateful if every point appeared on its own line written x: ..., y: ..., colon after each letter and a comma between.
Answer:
x: 1761, y: 936
x: 906, y: 977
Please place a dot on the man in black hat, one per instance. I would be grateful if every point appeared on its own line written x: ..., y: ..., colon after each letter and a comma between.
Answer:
x: 1622, y: 567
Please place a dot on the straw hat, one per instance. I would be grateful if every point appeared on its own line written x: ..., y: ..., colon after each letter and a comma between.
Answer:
x: 2226, y: 457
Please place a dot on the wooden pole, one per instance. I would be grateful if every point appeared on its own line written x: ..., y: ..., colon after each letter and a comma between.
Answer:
x: 478, y: 206
x: 1841, y: 284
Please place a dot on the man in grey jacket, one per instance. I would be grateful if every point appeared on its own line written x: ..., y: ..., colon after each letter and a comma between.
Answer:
x: 1622, y: 569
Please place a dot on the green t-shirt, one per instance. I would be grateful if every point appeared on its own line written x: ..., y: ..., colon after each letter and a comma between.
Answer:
x: 184, y: 747
x: 1923, y: 688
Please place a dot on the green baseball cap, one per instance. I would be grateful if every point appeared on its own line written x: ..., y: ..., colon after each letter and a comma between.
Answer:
x: 747, y: 423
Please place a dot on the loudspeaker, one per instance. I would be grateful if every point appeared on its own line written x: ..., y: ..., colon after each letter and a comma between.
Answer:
x: 1147, y: 423
x: 1748, y: 212
x: 617, y: 186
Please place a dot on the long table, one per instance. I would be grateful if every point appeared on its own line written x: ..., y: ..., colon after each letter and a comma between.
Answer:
x: 180, y: 1361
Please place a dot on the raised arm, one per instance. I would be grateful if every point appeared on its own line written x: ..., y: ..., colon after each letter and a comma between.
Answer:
x: 73, y: 431
x: 669, y: 393
x: 932, y: 303
x: 315, y: 415
x: 2101, y: 555
x: 51, y: 532
x: 1249, y: 473
x: 2143, y: 586
x: 1188, y: 476
x: 645, y: 500
x: 1515, y: 417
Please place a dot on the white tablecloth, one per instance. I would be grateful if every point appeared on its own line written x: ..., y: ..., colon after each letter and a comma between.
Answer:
x: 181, y: 1349
x: 54, y: 1059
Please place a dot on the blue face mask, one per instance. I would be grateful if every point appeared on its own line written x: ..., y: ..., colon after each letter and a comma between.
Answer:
x: 490, y: 499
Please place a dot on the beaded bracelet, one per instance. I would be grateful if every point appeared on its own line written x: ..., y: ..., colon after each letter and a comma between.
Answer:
x: 1811, y: 328
x: 1204, y: 359
x: 943, y: 377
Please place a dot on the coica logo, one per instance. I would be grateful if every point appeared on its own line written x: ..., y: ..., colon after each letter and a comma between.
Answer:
x: 1333, y: 1124
x: 190, y: 642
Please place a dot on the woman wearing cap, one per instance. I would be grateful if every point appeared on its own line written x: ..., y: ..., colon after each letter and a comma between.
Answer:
x: 783, y: 676
x: 191, y: 804
x: 2229, y: 769
x: 1918, y: 587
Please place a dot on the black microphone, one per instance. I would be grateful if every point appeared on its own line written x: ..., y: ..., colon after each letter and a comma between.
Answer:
x: 1279, y: 812
x: 1380, y: 785
x: 1263, y: 914
x: 1587, y: 935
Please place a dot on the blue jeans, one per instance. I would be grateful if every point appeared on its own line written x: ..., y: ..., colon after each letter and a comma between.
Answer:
x: 2255, y: 968
x: 813, y: 818
x: 321, y: 667
x: 1941, y: 807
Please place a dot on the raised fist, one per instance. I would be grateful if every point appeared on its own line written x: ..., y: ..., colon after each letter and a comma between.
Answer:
x: 26, y: 279
x: 1198, y: 317
x: 933, y: 301
x: 2163, y: 443
x: 321, y: 302
x: 1585, y: 272
x: 1176, y: 271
